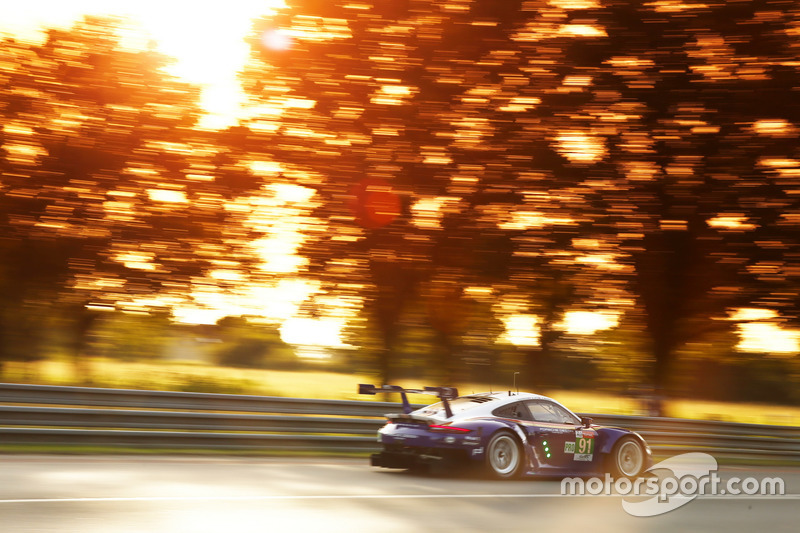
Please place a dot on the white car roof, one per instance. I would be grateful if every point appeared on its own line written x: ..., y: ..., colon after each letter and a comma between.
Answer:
x: 510, y: 396
x: 479, y: 404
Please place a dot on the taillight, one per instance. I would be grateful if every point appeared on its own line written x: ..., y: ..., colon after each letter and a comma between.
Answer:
x: 448, y: 429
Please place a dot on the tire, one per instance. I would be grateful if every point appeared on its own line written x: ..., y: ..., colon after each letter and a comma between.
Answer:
x: 504, y: 458
x: 627, y: 459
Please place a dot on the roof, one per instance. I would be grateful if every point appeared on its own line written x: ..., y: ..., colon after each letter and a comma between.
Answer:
x: 508, y: 395
x: 477, y: 404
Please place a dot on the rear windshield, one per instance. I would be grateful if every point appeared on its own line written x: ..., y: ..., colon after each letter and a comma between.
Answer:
x: 459, y: 405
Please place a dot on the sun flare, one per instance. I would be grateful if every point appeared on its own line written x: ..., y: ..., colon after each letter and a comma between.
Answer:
x: 205, y: 39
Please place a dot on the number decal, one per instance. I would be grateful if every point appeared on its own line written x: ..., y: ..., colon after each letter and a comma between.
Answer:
x: 584, y: 446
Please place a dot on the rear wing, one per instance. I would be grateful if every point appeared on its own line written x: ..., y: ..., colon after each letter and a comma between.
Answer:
x: 443, y: 393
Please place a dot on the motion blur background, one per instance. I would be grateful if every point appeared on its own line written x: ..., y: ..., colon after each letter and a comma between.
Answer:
x: 599, y: 195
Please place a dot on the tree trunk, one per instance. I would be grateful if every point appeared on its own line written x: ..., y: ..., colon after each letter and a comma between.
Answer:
x: 385, y: 357
x: 539, y: 360
x: 538, y: 368
x: 448, y: 362
x: 82, y: 324
x: 654, y: 404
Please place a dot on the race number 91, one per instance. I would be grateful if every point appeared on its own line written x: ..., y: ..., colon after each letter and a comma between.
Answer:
x: 584, y: 445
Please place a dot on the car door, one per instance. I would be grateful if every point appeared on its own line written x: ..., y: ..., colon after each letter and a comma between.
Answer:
x: 552, y: 433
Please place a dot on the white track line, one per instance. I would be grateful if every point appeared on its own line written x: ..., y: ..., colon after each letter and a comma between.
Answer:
x: 363, y: 497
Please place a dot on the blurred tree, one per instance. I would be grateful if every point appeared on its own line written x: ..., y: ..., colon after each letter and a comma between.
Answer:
x: 127, y: 337
x: 418, y: 120
x: 695, y: 110
x: 559, y: 154
x: 248, y: 345
x: 108, y: 196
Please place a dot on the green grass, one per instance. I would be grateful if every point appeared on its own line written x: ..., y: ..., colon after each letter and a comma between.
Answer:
x: 199, y: 377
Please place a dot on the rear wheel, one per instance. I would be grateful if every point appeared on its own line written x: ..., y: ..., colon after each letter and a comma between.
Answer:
x: 503, y: 456
x: 627, y: 459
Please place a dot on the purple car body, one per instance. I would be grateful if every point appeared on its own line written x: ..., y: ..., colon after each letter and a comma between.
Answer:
x: 511, y: 434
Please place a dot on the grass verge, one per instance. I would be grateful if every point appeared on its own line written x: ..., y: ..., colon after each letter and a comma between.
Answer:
x: 201, y: 377
x: 66, y: 449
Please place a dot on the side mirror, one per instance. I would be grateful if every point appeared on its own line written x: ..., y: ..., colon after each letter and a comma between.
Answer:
x: 586, y: 421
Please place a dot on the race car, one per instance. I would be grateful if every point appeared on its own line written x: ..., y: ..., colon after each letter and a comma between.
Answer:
x: 510, y: 434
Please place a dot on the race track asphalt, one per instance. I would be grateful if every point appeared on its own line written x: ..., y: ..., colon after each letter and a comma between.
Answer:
x: 172, y: 494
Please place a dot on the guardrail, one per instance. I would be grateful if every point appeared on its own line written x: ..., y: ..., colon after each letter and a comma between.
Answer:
x: 42, y: 414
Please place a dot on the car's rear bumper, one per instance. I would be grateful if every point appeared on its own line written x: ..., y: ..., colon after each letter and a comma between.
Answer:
x: 394, y: 460
x: 411, y: 458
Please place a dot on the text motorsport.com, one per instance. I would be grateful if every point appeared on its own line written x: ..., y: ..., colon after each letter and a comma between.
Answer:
x: 674, y: 482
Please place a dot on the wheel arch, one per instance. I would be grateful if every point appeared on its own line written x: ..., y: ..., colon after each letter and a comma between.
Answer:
x: 610, y: 436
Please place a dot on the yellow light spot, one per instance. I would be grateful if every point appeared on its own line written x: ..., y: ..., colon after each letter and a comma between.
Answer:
x: 23, y: 153
x: 751, y: 313
x: 574, y: 4
x: 278, y: 253
x: 287, y: 192
x: 732, y: 222
x: 521, y: 220
x: 629, y: 62
x: 165, y: 195
x: 275, y: 302
x: 582, y: 30
x: 299, y: 103
x: 588, y: 322
x: 120, y: 211
x: 600, y: 261
x: 17, y: 128
x: 585, y: 243
x: 478, y: 292
x: 437, y: 159
x: 428, y: 212
x: 580, y: 147
x: 277, y: 39
x: 226, y: 275
x: 519, y: 104
x: 199, y: 315
x: 580, y: 81
x: 313, y: 332
x: 641, y: 170
x: 521, y: 330
x: 136, y: 260
x: 268, y: 168
x: 767, y: 338
x: 773, y: 128
x: 397, y: 90
x: 779, y: 163
x: 386, y: 132
x: 673, y: 225
x: 674, y: 6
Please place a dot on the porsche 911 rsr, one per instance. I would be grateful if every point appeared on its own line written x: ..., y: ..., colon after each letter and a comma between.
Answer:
x: 510, y: 434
